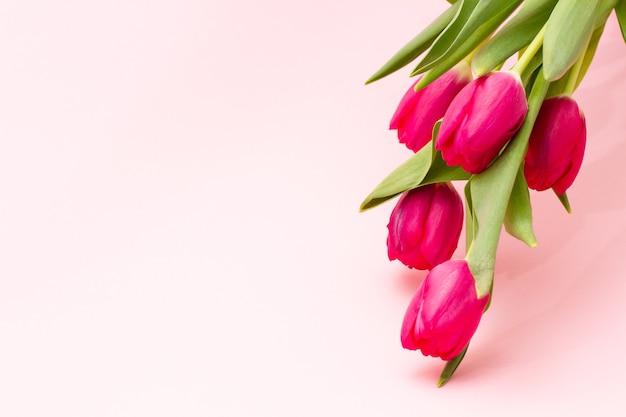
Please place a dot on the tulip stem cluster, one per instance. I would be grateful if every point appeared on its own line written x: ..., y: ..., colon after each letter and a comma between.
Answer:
x: 501, y: 133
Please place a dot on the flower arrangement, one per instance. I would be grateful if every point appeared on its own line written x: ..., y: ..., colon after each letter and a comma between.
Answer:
x: 500, y: 130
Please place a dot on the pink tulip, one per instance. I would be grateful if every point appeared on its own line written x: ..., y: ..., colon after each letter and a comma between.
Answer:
x: 481, y: 119
x: 444, y: 313
x: 425, y: 225
x: 556, y: 145
x: 419, y: 110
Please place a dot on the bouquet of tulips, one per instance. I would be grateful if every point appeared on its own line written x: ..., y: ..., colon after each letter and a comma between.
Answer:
x: 493, y: 107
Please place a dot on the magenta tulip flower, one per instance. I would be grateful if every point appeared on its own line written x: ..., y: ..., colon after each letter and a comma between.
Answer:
x: 444, y: 313
x: 425, y: 225
x: 419, y: 110
x: 556, y: 145
x: 481, y: 119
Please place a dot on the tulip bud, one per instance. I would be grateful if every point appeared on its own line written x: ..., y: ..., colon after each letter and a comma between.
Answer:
x: 556, y: 145
x: 418, y: 111
x: 481, y: 119
x: 444, y: 313
x: 425, y: 225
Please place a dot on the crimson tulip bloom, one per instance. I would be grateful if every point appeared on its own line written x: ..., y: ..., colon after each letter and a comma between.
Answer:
x: 425, y: 225
x: 556, y: 145
x: 481, y: 119
x: 444, y: 313
x: 418, y: 111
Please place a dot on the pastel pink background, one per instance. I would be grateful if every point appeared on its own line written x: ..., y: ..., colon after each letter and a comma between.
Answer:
x: 180, y: 236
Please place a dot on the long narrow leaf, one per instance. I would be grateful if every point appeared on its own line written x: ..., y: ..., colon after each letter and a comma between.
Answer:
x: 568, y: 31
x: 557, y: 87
x: 470, y: 43
x: 417, y: 45
x: 484, y: 11
x: 620, y: 12
x: 517, y: 33
x: 406, y: 177
x: 490, y: 191
x: 423, y: 168
x: 447, y: 37
x: 518, y: 220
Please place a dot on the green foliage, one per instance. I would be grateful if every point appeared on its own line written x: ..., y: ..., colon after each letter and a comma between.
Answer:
x: 518, y: 219
x: 516, y: 34
x: 568, y: 31
x: 490, y: 192
x: 423, y: 168
x: 620, y: 12
x: 450, y: 367
x: 416, y: 46
x: 459, y: 42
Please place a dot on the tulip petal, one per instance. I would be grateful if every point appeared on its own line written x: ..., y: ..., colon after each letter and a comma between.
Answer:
x: 445, y: 312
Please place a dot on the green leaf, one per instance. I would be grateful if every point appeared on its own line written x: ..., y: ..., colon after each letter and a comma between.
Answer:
x: 558, y: 87
x: 530, y: 72
x: 461, y: 30
x: 485, y: 11
x: 471, y: 225
x: 407, y: 176
x: 568, y: 31
x: 443, y: 42
x: 565, y: 201
x: 620, y: 12
x: 591, y: 51
x: 423, y: 168
x: 440, y: 172
x: 450, y: 368
x: 490, y: 191
x: 468, y: 44
x: 517, y: 33
x: 417, y: 45
x: 518, y: 219
x: 604, y: 9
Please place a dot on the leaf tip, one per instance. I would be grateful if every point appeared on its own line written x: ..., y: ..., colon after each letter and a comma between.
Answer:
x: 564, y: 201
x: 373, y: 78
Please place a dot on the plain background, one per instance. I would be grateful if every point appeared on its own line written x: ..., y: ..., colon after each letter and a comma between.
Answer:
x: 180, y: 236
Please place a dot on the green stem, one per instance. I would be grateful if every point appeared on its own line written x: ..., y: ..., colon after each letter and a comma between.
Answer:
x: 470, y: 56
x: 530, y: 52
x: 490, y: 192
x: 572, y: 80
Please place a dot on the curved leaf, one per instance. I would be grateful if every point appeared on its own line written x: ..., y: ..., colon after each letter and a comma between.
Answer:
x: 490, y: 191
x: 466, y: 47
x: 568, y: 31
x: 447, y: 37
x: 407, y: 176
x: 620, y: 12
x: 518, y: 219
x: 517, y: 33
x: 416, y: 46
x: 423, y: 168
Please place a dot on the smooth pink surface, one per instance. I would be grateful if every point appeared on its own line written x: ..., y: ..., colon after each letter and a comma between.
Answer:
x: 180, y: 236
